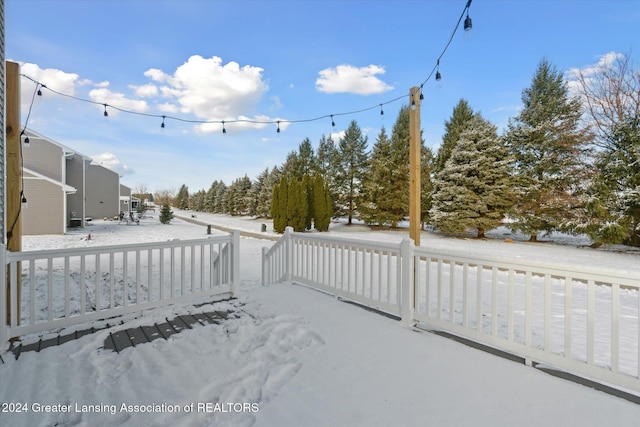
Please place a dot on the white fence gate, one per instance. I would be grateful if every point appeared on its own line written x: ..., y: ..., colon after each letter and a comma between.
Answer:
x: 585, y: 321
x: 71, y: 286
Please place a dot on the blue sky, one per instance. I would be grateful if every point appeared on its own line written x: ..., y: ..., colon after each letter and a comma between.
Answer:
x: 208, y: 60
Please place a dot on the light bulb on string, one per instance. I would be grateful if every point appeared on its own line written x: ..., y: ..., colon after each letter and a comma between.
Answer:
x: 381, y: 110
x: 278, y: 130
x: 162, y: 125
x: 105, y: 111
x: 26, y: 139
x: 223, y: 128
x: 421, y: 95
x: 438, y: 75
x: 333, y: 124
x: 468, y: 25
x: 39, y: 91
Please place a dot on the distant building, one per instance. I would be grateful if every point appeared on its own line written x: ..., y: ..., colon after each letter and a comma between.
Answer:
x: 64, y: 188
x: 103, y: 192
x: 54, y: 186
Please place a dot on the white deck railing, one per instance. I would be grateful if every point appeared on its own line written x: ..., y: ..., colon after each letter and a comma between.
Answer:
x: 585, y: 321
x: 70, y: 286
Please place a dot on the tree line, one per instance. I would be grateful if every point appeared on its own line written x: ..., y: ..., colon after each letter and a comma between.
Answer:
x: 568, y: 162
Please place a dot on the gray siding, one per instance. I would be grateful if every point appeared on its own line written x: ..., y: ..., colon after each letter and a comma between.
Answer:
x: 125, y: 199
x: 103, y: 192
x: 76, y: 170
x: 45, y: 158
x: 44, y: 196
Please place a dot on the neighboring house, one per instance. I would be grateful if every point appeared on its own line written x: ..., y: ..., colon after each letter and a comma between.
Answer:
x: 128, y: 203
x: 46, y: 208
x: 47, y: 163
x: 103, y: 192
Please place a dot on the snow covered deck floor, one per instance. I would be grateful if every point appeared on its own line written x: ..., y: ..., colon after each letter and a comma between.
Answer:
x: 130, y: 337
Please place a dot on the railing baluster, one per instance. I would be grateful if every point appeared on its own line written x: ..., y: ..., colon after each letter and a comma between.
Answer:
x: 568, y: 304
x: 615, y: 327
x: 465, y: 293
x: 591, y: 309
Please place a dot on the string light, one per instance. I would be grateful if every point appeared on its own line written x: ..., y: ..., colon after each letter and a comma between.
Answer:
x: 467, y: 26
x: 26, y: 138
x: 467, y: 21
x: 278, y: 130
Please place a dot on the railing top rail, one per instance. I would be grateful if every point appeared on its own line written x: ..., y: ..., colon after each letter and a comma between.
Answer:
x: 370, y: 244
x: 603, y: 274
x: 47, y: 253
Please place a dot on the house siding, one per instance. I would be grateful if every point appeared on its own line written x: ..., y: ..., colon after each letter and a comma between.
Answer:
x: 76, y: 171
x: 45, y: 158
x: 102, y: 192
x: 44, y: 196
x: 125, y: 199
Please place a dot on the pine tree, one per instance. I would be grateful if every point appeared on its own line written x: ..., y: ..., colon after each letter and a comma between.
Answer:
x: 278, y: 200
x: 611, y: 94
x: 166, y: 214
x: 322, y: 204
x: 182, y: 199
x: 307, y: 189
x: 327, y: 165
x: 462, y: 114
x: 426, y: 185
x: 548, y: 146
x: 279, y: 205
x: 383, y: 200
x: 352, y: 162
x: 612, y: 208
x: 474, y: 189
x: 296, y: 205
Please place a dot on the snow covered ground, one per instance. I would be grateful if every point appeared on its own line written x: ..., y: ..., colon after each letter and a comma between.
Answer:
x: 298, y: 357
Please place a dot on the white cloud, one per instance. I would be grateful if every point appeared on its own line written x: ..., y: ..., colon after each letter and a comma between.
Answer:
x: 210, y: 89
x: 572, y: 76
x: 350, y: 79
x: 111, y: 161
x: 119, y: 100
x: 55, y: 79
x: 145, y: 91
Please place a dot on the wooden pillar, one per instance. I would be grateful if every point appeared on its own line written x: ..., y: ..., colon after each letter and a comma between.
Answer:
x: 13, y: 169
x: 414, y: 165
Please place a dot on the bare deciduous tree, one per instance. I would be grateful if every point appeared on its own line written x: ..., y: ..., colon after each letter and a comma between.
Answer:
x: 611, y: 95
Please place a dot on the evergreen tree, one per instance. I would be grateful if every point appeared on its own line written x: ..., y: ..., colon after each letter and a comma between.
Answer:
x: 182, y: 199
x: 383, y: 196
x: 321, y: 204
x: 426, y: 185
x: 548, y: 146
x: 296, y: 205
x: 222, y: 199
x: 474, y: 189
x: 352, y: 163
x: 279, y: 205
x: 327, y: 166
x: 462, y: 114
x: 612, y: 211
x: 611, y: 95
x: 166, y: 214
x: 307, y: 189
